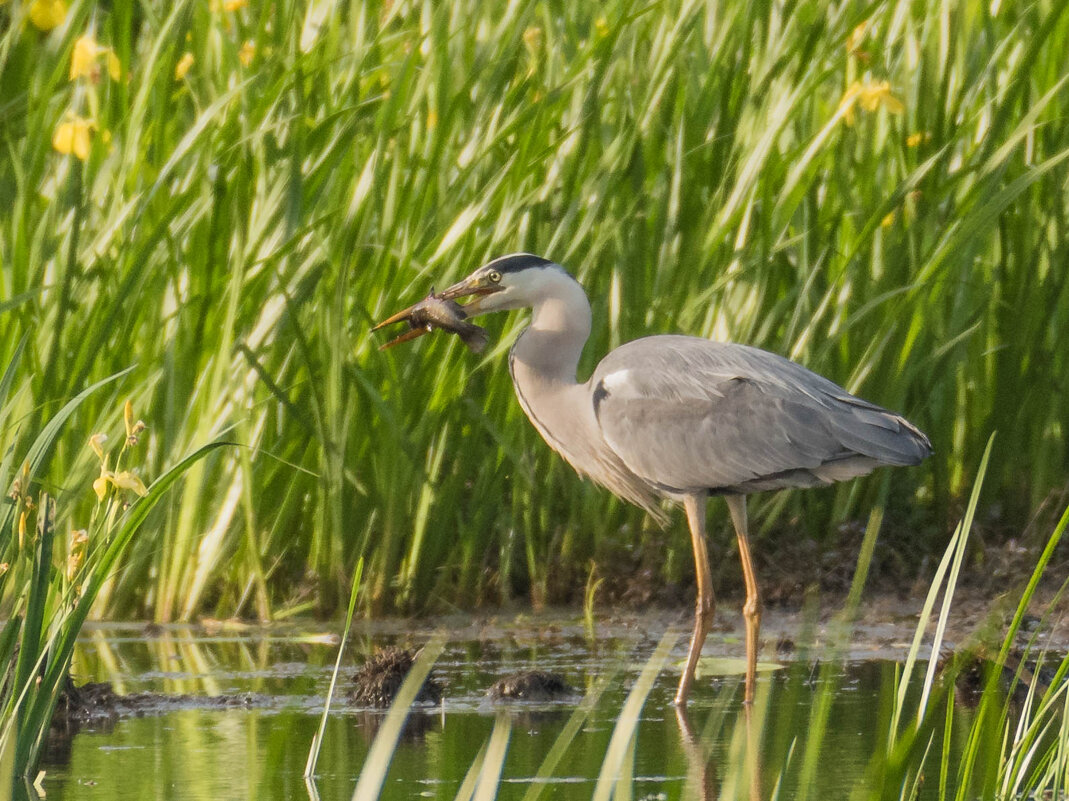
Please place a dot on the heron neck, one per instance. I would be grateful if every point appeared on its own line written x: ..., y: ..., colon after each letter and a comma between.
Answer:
x: 551, y: 346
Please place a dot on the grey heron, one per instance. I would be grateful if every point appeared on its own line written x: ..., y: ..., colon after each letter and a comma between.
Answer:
x: 681, y: 418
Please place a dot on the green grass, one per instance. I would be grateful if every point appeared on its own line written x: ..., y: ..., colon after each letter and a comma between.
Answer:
x: 233, y: 234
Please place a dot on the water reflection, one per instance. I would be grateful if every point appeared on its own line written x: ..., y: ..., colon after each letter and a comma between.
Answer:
x: 718, y: 748
x: 701, y: 772
x: 418, y: 723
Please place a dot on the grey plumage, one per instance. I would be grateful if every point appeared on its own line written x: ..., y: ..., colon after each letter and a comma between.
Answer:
x: 687, y: 414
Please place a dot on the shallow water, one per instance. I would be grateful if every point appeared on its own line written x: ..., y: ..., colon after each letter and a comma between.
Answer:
x: 260, y: 751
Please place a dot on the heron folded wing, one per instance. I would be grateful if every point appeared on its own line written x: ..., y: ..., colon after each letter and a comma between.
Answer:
x: 688, y: 414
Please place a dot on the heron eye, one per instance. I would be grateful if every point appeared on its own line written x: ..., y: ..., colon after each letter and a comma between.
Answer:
x: 495, y: 277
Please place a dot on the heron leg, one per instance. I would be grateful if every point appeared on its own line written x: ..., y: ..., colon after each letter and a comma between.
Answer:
x: 703, y: 613
x: 751, y: 611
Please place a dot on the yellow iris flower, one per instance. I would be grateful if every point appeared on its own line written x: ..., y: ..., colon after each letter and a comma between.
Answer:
x: 121, y: 480
x: 85, y: 60
x: 73, y: 136
x: 870, y: 96
x: 48, y: 14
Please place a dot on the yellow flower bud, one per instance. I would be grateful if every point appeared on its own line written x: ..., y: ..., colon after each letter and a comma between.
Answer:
x: 857, y: 35
x: 76, y: 552
x: 183, y: 65
x: 100, y: 486
x: 96, y: 442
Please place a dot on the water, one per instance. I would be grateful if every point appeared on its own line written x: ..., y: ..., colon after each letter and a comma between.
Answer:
x: 260, y: 751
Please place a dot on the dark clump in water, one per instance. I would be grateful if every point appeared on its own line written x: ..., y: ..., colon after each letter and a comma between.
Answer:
x: 98, y: 703
x: 92, y: 701
x: 531, y: 685
x: 1019, y: 677
x: 96, y: 706
x: 378, y: 681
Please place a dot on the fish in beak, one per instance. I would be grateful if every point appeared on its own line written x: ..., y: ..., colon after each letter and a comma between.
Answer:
x: 438, y: 311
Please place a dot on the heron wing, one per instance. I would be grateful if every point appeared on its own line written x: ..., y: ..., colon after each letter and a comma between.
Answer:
x: 688, y: 414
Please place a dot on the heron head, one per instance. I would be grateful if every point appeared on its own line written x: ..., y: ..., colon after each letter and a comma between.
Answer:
x: 508, y: 282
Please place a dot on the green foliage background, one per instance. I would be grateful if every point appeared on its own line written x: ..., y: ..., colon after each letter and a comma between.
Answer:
x: 234, y: 233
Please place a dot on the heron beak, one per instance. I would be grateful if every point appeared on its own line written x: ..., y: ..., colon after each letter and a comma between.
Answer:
x: 474, y: 285
x: 406, y: 337
x: 401, y: 317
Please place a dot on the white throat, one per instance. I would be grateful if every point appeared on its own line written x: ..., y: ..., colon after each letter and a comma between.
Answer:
x: 550, y: 347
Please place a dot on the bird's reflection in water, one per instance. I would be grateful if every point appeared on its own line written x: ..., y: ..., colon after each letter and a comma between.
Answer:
x: 743, y: 778
x: 418, y: 723
x: 701, y: 770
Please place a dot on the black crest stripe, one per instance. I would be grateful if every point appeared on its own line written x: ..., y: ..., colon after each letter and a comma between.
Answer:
x: 518, y: 261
